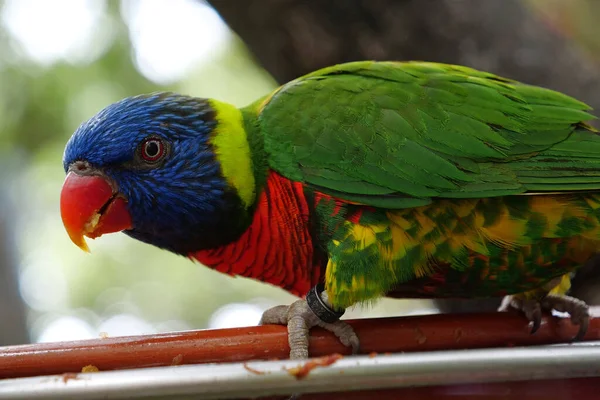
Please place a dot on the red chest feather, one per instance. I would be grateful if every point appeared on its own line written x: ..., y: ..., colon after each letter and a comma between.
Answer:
x: 277, y: 247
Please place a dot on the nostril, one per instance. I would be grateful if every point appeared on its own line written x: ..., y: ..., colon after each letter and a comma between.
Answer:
x: 80, y: 166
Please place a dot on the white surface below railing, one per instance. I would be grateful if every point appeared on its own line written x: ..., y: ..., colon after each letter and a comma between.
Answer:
x: 264, y: 378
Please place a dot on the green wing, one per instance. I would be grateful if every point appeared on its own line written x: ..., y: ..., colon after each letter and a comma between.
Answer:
x: 396, y: 135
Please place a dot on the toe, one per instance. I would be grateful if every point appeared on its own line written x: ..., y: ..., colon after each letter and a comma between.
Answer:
x: 581, y: 316
x: 354, y: 343
x: 277, y: 316
x: 298, y: 332
x: 299, y: 324
x: 577, y: 309
x: 583, y: 327
x: 345, y: 333
x: 506, y: 303
x: 533, y: 312
x: 537, y: 322
x: 348, y: 337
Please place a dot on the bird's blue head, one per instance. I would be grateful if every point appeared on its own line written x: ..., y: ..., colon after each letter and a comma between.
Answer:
x: 151, y: 165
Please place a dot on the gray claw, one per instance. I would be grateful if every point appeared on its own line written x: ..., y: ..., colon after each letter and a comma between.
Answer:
x: 533, y: 312
x: 532, y: 309
x: 583, y: 327
x: 577, y: 309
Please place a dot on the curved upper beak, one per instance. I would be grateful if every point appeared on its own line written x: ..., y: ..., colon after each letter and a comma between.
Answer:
x: 89, y: 207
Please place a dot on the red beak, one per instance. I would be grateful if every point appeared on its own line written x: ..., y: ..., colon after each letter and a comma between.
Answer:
x: 89, y: 207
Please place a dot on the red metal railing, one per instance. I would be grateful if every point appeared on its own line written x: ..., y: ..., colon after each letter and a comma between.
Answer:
x: 385, y: 335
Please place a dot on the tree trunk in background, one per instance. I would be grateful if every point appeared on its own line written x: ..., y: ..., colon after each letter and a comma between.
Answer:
x: 13, y: 326
x: 290, y: 38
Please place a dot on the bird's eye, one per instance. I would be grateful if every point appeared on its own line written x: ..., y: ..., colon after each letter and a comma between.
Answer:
x: 152, y: 150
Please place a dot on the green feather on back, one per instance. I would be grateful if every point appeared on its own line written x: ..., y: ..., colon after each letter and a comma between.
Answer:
x: 396, y: 135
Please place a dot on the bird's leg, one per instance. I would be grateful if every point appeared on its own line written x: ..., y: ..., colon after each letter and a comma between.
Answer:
x: 533, y: 303
x: 303, y: 314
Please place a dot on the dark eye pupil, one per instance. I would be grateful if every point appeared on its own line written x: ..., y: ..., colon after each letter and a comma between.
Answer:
x: 152, y: 149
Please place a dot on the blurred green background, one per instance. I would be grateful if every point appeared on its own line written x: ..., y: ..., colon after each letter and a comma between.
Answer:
x: 60, y: 63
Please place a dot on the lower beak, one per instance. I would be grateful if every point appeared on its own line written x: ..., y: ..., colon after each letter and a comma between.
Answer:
x: 89, y: 207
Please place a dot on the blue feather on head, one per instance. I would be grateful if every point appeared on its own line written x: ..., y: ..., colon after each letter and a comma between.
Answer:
x: 178, y: 201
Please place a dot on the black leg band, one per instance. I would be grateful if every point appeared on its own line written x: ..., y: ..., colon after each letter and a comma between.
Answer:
x: 318, y: 306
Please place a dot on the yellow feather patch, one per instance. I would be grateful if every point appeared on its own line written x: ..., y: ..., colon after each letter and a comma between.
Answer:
x: 426, y: 225
x: 507, y: 232
x: 563, y: 286
x: 472, y: 241
x: 402, y: 242
x: 341, y: 295
x: 233, y: 151
x: 364, y: 235
x: 560, y: 286
x: 552, y: 208
x: 461, y: 209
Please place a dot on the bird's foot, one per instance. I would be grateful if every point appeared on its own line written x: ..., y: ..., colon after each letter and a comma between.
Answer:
x: 304, y: 314
x: 532, y: 308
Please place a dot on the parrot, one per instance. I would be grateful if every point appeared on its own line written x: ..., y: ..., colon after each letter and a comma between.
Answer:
x: 363, y: 180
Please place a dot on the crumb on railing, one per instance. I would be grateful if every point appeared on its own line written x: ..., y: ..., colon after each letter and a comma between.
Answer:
x: 177, y: 360
x: 302, y: 371
x: 90, y: 368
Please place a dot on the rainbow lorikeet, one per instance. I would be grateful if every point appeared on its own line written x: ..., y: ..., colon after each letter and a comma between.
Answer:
x: 357, y: 181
